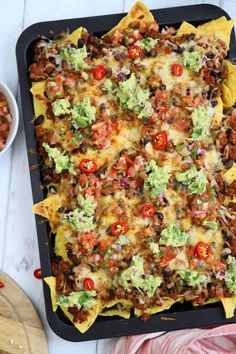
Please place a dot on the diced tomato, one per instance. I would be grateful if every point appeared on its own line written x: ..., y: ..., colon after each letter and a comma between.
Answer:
x: 135, y: 51
x: 88, y: 284
x: 179, y: 124
x: 131, y: 172
x: 99, y: 72
x: 103, y: 245
x: 83, y: 179
x: 177, y: 70
x: 202, y: 250
x: 113, y: 172
x: 162, y: 95
x: 168, y: 50
x: 168, y: 256
x: 148, y: 210
x: 38, y: 273
x: 163, y: 109
x: 159, y: 141
x: 218, y: 266
x: 119, y: 228
x: 137, y: 35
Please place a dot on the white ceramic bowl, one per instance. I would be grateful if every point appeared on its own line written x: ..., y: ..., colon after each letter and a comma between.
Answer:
x: 14, y: 114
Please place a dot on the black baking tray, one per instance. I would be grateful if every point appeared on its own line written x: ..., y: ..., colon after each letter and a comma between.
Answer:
x: 178, y: 316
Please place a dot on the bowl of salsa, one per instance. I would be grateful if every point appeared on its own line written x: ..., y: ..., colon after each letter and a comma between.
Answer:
x: 9, y: 118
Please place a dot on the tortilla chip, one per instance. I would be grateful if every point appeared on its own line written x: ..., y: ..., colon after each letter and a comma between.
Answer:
x: 39, y: 100
x: 84, y: 326
x: 48, y: 208
x: 51, y: 281
x: 229, y: 304
x: 124, y: 302
x: 75, y: 36
x: 116, y: 312
x: 155, y: 309
x: 139, y: 12
x: 230, y: 175
x: 220, y: 28
x: 208, y: 302
x: 61, y: 240
x: 229, y: 85
x: 218, y: 113
x: 185, y: 28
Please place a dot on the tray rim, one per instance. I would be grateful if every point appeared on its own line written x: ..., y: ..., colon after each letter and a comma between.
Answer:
x: 105, y: 327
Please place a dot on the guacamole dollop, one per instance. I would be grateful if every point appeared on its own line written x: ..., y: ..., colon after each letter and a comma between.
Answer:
x: 82, y: 218
x: 193, y: 60
x: 134, y: 98
x: 62, y: 161
x: 195, y: 180
x: 172, y: 236
x: 147, y: 43
x: 201, y: 119
x: 78, y: 298
x: 107, y: 86
x: 83, y: 113
x: 134, y: 276
x: 61, y: 107
x: 230, y: 275
x: 157, y: 179
x: 75, y: 57
x: 192, y: 277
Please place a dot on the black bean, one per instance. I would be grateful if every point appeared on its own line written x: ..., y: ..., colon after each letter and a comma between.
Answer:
x: 152, y: 53
x: 63, y: 209
x: 214, y: 103
x: 228, y: 163
x: 227, y: 235
x: 108, y: 73
x: 52, y: 189
x: 57, y: 259
x: 72, y: 45
x: 167, y: 272
x: 81, y: 43
x: 83, y: 148
x: 191, y: 36
x: 160, y: 216
x: 170, y: 120
x: 39, y: 120
x: 180, y: 50
x: 145, y: 140
x: 103, y: 106
x: 114, y: 116
x: 226, y: 252
x: 119, y: 56
x: 162, y: 87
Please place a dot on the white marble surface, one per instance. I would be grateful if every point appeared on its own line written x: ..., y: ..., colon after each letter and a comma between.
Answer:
x: 18, y: 243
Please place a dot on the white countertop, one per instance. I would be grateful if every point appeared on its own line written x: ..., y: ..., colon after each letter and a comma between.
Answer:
x: 18, y: 241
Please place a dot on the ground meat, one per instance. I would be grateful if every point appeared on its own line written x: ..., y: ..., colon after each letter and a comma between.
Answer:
x: 221, y: 140
x: 36, y: 72
x: 232, y: 120
x: 120, y: 293
x: 78, y: 315
x: 231, y: 151
x: 110, y: 187
x: 232, y: 137
x: 231, y: 190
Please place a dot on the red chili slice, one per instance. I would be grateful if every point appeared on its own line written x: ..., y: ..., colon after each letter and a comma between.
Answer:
x: 135, y: 51
x: 38, y: 273
x: 148, y: 211
x: 88, y: 166
x: 88, y: 284
x: 159, y: 141
x: 99, y: 72
x: 177, y: 70
x: 1, y: 285
x: 119, y: 228
x: 202, y: 250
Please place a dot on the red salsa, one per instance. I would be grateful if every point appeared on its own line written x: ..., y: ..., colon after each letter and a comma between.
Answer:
x: 5, y: 121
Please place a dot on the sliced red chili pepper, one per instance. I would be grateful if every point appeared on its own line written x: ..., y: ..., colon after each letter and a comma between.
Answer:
x: 38, y: 273
x: 88, y: 284
x: 159, y: 141
x: 148, y: 211
x: 177, y: 70
x: 135, y: 51
x: 88, y: 166
x: 99, y: 72
x: 119, y: 228
x: 202, y: 250
x: 1, y: 285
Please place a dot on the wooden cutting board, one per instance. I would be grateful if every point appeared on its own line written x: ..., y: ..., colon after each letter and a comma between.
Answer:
x: 21, y: 331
